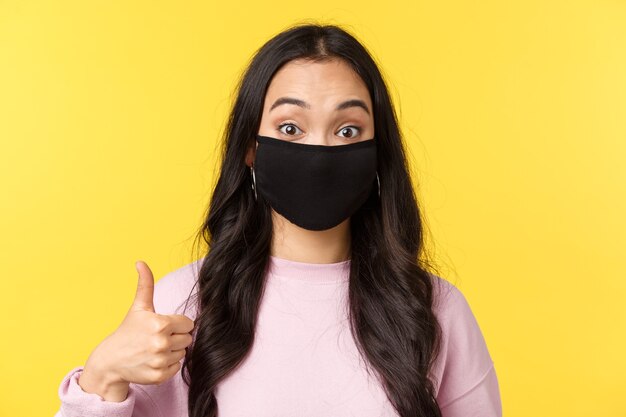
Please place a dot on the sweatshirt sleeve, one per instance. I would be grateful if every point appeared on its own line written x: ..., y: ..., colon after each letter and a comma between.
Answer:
x: 75, y: 402
x: 468, y: 381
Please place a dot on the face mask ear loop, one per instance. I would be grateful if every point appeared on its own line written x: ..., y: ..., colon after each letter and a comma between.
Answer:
x: 253, y: 182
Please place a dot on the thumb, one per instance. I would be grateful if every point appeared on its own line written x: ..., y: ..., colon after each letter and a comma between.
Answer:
x: 145, y: 288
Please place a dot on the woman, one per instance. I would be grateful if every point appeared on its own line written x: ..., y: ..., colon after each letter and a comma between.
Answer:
x: 314, y: 297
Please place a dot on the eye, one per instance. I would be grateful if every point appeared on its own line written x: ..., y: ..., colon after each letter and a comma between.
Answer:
x: 347, y: 129
x: 291, y: 130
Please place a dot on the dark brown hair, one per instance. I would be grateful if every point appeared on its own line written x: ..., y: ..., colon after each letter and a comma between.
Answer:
x: 390, y: 288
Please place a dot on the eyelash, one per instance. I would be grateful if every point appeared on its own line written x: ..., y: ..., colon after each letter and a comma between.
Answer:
x: 293, y: 124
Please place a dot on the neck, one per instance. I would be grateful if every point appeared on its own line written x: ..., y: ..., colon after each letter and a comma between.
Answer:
x: 294, y: 243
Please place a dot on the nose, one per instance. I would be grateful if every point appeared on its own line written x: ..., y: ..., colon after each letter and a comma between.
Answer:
x: 320, y: 139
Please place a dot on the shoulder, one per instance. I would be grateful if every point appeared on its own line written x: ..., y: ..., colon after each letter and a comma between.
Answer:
x: 174, y: 288
x: 464, y: 360
x: 449, y: 302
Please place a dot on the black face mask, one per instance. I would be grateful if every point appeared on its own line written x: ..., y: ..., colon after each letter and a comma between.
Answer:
x: 315, y: 186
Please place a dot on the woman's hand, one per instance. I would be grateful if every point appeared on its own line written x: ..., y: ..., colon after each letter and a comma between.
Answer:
x: 145, y: 349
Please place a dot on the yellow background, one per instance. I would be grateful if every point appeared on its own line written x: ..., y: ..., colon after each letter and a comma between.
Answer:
x: 514, y: 112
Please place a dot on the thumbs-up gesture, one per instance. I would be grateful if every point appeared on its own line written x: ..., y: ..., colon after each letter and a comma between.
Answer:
x: 146, y: 348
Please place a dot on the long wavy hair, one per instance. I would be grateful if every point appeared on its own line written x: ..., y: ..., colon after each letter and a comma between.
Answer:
x: 390, y: 287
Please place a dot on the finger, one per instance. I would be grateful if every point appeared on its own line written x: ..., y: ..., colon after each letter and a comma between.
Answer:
x: 180, y: 323
x: 170, y: 372
x: 145, y: 288
x: 180, y: 341
x: 175, y: 356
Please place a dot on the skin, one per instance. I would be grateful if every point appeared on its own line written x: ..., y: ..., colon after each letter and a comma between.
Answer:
x: 323, y: 86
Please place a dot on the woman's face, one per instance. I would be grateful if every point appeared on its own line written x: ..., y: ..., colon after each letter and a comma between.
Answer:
x: 317, y: 103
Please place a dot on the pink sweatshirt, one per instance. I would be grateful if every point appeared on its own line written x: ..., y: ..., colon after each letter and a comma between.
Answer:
x: 304, y: 361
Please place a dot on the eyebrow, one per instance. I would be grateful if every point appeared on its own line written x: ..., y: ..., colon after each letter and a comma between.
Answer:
x: 344, y: 105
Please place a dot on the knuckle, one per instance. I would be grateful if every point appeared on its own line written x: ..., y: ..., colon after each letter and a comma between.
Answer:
x: 158, y: 375
x: 159, y: 362
x: 159, y: 324
x: 160, y: 344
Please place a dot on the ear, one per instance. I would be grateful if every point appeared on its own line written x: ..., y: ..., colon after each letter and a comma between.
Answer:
x: 251, y: 153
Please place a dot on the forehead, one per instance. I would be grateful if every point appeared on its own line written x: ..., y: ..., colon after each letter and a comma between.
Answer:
x: 331, y: 80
